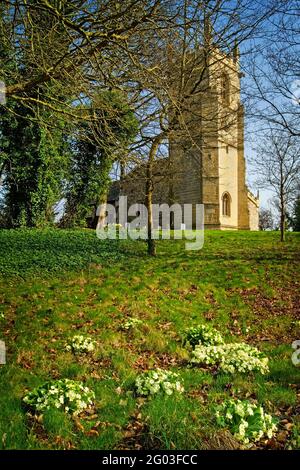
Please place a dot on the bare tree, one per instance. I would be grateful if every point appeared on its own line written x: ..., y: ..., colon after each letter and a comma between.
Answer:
x: 62, y: 53
x: 174, y: 74
x: 274, y: 88
x: 266, y: 221
x: 278, y: 163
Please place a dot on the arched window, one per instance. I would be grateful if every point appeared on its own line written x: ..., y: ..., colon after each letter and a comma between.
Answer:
x: 225, y: 88
x: 226, y: 203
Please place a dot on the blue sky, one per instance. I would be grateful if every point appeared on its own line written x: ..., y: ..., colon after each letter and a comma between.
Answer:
x: 257, y: 49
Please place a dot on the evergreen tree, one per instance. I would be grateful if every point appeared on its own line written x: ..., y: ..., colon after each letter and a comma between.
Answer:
x: 32, y: 158
x: 296, y: 216
x: 34, y: 167
x: 95, y: 148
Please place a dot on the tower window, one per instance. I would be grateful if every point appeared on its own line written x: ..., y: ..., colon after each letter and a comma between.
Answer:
x: 225, y: 88
x: 226, y: 203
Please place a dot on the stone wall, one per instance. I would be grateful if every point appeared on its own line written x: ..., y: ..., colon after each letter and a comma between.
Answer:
x: 228, y: 169
x: 253, y: 210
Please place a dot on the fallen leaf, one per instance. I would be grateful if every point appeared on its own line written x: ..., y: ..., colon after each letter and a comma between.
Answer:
x: 92, y: 433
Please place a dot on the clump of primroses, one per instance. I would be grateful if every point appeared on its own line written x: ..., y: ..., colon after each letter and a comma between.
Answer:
x: 248, y: 422
x: 159, y: 380
x: 65, y: 394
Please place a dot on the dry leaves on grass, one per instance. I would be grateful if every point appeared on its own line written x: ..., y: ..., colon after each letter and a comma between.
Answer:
x: 221, y: 440
x: 209, y: 297
x: 134, y: 433
x: 185, y: 293
x: 25, y: 359
x: 286, y: 301
x: 149, y: 359
x: 199, y: 395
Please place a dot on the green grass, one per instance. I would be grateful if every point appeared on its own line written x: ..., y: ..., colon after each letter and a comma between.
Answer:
x: 56, y: 283
x: 26, y: 252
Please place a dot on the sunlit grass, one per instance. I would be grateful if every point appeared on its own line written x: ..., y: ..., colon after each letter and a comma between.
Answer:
x: 56, y: 284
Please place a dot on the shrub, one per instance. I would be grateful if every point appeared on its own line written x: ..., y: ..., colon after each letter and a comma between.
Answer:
x: 158, y: 380
x: 202, y: 334
x: 232, y: 357
x: 68, y: 395
x: 246, y: 421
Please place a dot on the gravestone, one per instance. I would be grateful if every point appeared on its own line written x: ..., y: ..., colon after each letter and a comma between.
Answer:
x: 2, y: 352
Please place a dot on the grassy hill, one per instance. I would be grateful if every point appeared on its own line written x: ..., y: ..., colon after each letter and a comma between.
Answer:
x: 58, y: 283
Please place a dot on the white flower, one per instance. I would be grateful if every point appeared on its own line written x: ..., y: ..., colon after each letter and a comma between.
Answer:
x: 153, y: 382
x: 131, y: 323
x: 247, y: 421
x: 81, y: 344
x: 231, y: 358
x: 203, y: 335
x: 240, y: 410
x: 69, y: 395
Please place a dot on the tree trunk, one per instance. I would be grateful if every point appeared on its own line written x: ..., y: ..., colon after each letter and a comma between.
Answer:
x: 100, y: 215
x: 282, y: 226
x: 282, y: 206
x: 149, y: 193
x: 149, y: 197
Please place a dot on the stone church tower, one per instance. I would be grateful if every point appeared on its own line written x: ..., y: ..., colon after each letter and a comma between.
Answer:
x: 206, y: 162
x: 212, y: 169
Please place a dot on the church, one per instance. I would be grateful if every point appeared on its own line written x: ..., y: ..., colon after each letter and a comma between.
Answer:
x: 205, y: 164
